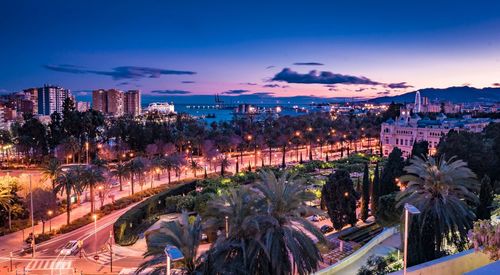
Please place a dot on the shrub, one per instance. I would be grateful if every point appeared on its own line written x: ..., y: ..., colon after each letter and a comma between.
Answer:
x: 201, y: 201
x: 387, y: 214
x: 171, y: 203
x: 185, y: 203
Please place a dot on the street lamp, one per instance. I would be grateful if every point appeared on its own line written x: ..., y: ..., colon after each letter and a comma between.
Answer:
x: 50, y: 220
x: 409, y: 209
x: 95, y: 232
x: 32, y: 222
x: 226, y: 218
x: 87, y: 151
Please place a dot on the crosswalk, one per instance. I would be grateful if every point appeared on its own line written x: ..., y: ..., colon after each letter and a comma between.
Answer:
x: 49, y: 264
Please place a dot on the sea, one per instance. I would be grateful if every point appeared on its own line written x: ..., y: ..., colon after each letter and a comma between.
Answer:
x: 203, y: 106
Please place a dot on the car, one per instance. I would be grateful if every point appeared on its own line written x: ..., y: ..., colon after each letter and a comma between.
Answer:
x: 326, y: 228
x: 70, y: 248
x: 315, y: 218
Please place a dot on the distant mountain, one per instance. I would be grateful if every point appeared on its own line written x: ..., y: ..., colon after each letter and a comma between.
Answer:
x: 454, y: 94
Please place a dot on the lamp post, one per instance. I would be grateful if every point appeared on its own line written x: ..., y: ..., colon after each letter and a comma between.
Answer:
x: 50, y: 220
x: 409, y: 209
x: 87, y: 151
x: 32, y: 222
x: 226, y: 218
x: 95, y: 233
x: 168, y: 261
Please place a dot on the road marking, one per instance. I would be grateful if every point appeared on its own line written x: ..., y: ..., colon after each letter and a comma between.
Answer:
x: 49, y: 265
x: 104, y: 258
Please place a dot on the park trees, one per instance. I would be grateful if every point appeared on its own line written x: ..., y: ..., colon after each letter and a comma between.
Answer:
x: 375, y: 190
x: 483, y: 210
x: 365, y: 193
x: 340, y: 198
x: 393, y: 169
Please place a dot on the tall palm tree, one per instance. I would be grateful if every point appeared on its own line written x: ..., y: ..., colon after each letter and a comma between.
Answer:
x: 194, y: 166
x: 67, y: 182
x: 267, y: 233
x: 51, y: 171
x: 135, y: 167
x: 92, y: 176
x: 288, y: 235
x: 443, y: 190
x: 224, y: 163
x: 171, y: 163
x: 182, y: 234
x: 121, y: 171
x: 5, y: 198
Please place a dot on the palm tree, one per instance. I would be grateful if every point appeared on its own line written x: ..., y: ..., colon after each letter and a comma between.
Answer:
x: 51, y: 171
x: 285, y: 202
x: 135, y: 166
x: 171, y: 162
x: 121, y: 171
x: 223, y: 162
x: 92, y: 176
x: 182, y: 234
x: 194, y: 166
x: 267, y: 233
x: 443, y: 192
x: 5, y: 201
x: 67, y: 182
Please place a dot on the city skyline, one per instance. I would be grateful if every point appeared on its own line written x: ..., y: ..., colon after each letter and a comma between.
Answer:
x: 325, y: 49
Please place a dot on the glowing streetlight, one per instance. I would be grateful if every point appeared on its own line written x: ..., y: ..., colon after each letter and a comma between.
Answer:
x: 87, y: 151
x: 49, y: 213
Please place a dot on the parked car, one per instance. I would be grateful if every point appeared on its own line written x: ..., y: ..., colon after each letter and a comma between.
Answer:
x: 326, y: 228
x: 70, y: 248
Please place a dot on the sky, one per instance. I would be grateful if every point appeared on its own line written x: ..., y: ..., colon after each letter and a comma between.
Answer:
x: 330, y: 48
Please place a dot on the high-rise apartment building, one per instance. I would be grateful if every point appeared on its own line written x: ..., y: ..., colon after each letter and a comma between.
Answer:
x: 51, y: 99
x: 31, y: 94
x: 99, y: 101
x: 132, y: 102
x: 117, y: 103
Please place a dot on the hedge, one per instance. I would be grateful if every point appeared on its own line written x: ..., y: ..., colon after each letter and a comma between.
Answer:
x: 136, y: 220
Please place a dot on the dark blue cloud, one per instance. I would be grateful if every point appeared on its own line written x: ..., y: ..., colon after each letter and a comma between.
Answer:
x: 496, y: 84
x: 249, y: 83
x: 400, y: 85
x: 170, y: 92
x: 308, y: 64
x: 323, y: 77
x: 118, y: 73
x: 271, y: 86
x: 188, y: 82
x: 235, y: 92
x: 270, y: 67
x: 384, y: 92
x: 262, y: 94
